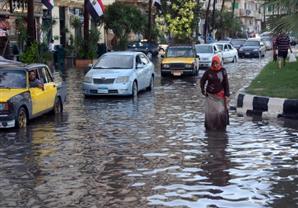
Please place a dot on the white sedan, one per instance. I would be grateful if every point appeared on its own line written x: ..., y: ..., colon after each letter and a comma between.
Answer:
x: 119, y: 73
x: 229, y: 53
x: 205, y: 52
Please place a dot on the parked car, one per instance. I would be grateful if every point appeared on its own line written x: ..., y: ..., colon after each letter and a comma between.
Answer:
x: 180, y: 60
x: 19, y: 102
x: 119, y: 73
x: 252, y: 48
x: 229, y: 53
x: 267, y: 40
x: 293, y: 40
x: 206, y: 52
x: 163, y: 48
x: 238, y: 43
x: 149, y: 48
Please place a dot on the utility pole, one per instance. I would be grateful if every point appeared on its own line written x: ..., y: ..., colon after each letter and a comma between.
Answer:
x: 30, y: 23
x: 149, y: 20
x: 86, y: 26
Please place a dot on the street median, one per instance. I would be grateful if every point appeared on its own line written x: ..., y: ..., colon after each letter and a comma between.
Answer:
x: 273, y: 93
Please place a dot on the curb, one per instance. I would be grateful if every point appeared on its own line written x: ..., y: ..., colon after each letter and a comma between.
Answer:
x: 266, y: 107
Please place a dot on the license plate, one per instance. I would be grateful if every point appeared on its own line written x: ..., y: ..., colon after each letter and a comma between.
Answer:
x: 247, y: 53
x: 177, y: 73
x: 102, y: 91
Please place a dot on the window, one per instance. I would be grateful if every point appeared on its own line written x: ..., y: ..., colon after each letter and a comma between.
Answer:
x: 43, y: 75
x: 230, y: 47
x: 226, y: 47
x: 144, y: 60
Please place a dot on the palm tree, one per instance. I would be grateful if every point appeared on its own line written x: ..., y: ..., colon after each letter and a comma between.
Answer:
x: 286, y: 17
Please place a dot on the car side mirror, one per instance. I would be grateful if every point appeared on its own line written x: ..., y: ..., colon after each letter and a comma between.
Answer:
x: 90, y: 66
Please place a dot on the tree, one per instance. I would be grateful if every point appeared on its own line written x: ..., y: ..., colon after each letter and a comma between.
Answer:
x: 286, y: 17
x: 123, y: 19
x: 30, y: 23
x: 206, y: 20
x: 179, y: 19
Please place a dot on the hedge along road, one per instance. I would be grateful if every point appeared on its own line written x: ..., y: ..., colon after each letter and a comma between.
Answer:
x: 150, y: 152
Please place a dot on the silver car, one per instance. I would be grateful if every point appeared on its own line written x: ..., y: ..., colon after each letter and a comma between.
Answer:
x: 119, y: 73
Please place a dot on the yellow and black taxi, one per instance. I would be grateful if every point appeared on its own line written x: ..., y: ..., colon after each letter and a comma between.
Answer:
x: 180, y: 60
x: 21, y: 100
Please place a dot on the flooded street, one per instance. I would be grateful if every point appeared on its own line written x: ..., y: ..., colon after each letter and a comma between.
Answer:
x: 150, y: 152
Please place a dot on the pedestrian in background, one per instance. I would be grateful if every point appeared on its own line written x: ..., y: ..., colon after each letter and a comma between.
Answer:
x: 215, y: 86
x: 283, y: 45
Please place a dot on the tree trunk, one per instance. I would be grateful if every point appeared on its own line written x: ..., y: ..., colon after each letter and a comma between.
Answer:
x: 198, y: 19
x: 206, y: 21
x: 221, y: 19
x: 213, y: 15
x: 149, y: 21
x: 86, y: 26
x: 233, y: 8
x: 30, y: 23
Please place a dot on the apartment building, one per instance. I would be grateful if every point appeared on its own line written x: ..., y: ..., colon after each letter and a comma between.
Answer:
x: 250, y: 13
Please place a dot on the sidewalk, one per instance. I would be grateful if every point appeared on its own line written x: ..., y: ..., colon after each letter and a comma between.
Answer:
x: 264, y: 106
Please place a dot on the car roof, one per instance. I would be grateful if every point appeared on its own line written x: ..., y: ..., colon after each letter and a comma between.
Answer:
x: 180, y: 46
x: 205, y: 44
x: 13, y: 65
x: 123, y: 53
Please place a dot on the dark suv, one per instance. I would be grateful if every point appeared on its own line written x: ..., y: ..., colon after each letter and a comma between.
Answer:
x: 149, y: 48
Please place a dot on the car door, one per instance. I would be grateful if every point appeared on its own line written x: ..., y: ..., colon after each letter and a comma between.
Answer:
x: 140, y: 71
x: 147, y: 70
x: 50, y: 87
x: 233, y: 52
x: 39, y: 103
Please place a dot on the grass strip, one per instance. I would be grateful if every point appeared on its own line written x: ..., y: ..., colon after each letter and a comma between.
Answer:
x: 274, y: 82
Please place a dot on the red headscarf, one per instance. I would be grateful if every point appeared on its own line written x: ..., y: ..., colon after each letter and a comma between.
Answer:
x: 216, y: 58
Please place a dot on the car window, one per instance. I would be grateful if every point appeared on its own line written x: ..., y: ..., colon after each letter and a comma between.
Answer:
x: 12, y: 79
x: 230, y: 47
x: 42, y: 75
x: 144, y: 60
x: 220, y: 46
x: 215, y: 49
x: 252, y: 43
x: 47, y: 74
x: 226, y: 47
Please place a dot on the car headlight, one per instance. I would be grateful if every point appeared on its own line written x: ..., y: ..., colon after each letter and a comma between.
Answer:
x: 188, y: 66
x: 256, y: 50
x: 166, y: 66
x: 122, y: 79
x: 88, y: 79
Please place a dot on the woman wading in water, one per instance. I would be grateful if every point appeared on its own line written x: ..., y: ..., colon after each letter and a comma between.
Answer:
x: 215, y: 86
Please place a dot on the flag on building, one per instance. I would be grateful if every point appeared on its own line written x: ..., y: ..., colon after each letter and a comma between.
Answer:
x: 96, y: 8
x: 157, y: 4
x: 48, y: 3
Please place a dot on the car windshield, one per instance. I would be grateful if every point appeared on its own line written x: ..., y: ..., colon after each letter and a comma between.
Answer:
x: 252, y: 43
x: 204, y: 49
x: 12, y: 79
x: 115, y: 61
x: 220, y: 46
x: 180, y: 52
x: 238, y: 42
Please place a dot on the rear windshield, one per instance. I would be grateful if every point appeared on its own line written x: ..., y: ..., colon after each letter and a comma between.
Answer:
x: 12, y: 79
x: 180, y: 52
x: 238, y: 42
x: 252, y: 43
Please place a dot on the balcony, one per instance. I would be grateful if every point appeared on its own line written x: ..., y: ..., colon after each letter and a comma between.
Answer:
x: 247, y: 13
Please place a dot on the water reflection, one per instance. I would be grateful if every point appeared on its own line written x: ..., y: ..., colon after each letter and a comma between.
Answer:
x: 217, y: 162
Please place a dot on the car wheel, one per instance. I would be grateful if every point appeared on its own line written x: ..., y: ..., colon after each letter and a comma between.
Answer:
x: 21, y: 119
x: 151, y: 85
x: 58, y: 107
x: 134, y: 90
x: 150, y: 55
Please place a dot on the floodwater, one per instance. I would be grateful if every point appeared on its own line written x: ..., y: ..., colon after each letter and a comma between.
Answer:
x: 150, y: 152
